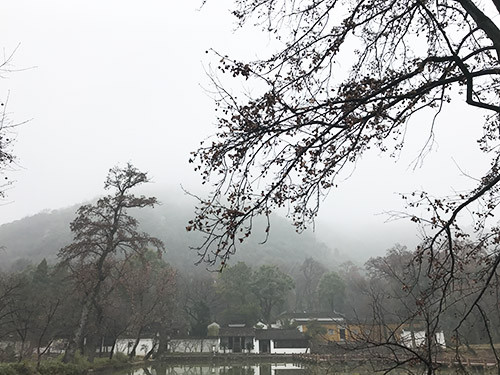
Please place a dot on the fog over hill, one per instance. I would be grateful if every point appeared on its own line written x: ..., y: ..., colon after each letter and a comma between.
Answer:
x: 33, y: 238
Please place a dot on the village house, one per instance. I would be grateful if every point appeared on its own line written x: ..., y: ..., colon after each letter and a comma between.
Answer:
x: 281, y: 341
x: 332, y: 325
x: 334, y: 328
x: 237, y: 338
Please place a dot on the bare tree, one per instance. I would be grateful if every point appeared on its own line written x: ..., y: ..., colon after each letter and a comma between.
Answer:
x: 7, y: 125
x: 10, y: 289
x: 102, y: 231
x: 403, y: 297
x: 149, y: 284
x: 286, y: 145
x: 199, y: 301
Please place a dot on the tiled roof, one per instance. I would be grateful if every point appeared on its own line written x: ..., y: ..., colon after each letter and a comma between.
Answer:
x: 236, y: 331
x: 262, y: 334
x: 320, y: 316
x: 279, y: 334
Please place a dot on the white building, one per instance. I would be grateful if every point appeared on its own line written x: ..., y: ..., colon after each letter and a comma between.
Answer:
x: 417, y: 338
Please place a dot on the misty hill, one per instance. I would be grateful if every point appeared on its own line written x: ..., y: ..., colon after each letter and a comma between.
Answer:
x: 33, y: 238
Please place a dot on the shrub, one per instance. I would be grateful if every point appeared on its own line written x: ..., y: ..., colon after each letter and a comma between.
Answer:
x: 6, y: 369
x: 8, y: 354
x: 23, y: 368
x: 56, y: 367
x: 119, y: 360
x: 59, y: 368
x: 120, y: 357
x: 81, y: 361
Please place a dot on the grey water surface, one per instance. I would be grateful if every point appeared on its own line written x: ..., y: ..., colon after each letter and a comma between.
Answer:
x: 272, y: 369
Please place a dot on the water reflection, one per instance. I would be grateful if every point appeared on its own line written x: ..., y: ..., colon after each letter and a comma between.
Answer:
x: 260, y: 369
x: 274, y: 369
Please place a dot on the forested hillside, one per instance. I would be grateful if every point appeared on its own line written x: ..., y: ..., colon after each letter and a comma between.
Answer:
x: 34, y: 238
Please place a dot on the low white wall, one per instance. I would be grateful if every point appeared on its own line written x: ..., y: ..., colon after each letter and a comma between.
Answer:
x: 419, y: 338
x: 209, y: 345
x: 274, y: 350
x: 289, y: 350
x: 256, y: 347
x: 126, y: 345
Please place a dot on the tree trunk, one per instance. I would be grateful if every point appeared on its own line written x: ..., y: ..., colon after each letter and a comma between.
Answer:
x: 95, y: 339
x: 151, y: 351
x: 162, y: 341
x: 91, y: 347
x: 101, y: 346
x: 136, y: 344
x: 77, y: 339
x: 412, y: 336
x: 112, y: 349
x: 38, y: 357
x: 21, y: 352
x: 160, y: 368
x: 69, y: 354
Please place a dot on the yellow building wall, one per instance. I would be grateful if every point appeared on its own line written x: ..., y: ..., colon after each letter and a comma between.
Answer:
x: 357, y: 332
x: 331, y: 331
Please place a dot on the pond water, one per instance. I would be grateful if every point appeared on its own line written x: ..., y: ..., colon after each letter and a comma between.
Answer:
x: 220, y: 369
x: 264, y: 369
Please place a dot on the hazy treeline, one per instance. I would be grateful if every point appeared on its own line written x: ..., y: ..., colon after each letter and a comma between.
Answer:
x: 40, y: 236
x: 145, y: 296
x: 42, y: 303
x: 142, y: 296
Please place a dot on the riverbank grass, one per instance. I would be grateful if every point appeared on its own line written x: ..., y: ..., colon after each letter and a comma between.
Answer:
x: 56, y: 367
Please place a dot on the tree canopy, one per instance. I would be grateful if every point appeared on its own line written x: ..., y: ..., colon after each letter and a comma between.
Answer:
x: 270, y: 285
x: 331, y: 290
x: 285, y: 144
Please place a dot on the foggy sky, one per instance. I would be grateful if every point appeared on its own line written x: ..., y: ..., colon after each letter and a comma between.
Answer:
x: 108, y: 82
